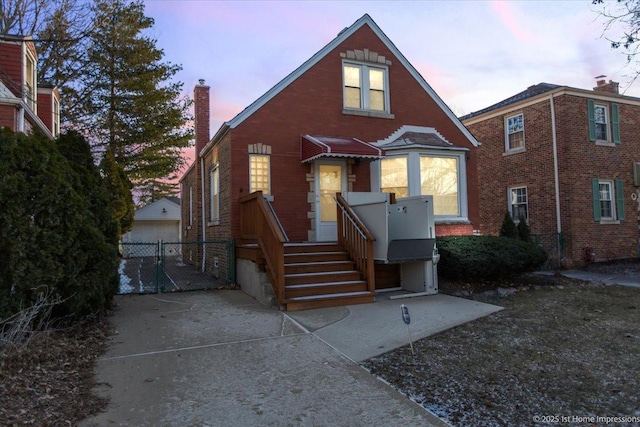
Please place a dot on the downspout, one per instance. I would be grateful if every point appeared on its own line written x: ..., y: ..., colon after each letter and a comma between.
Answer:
x: 20, y: 119
x: 202, y: 207
x: 555, y: 167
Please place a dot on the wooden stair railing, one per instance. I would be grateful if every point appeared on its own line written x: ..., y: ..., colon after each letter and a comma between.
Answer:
x: 357, y: 240
x: 258, y: 222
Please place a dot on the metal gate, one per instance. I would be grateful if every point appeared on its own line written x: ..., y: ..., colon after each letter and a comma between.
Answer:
x: 147, y: 267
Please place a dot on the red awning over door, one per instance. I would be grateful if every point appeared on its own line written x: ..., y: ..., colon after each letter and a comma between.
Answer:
x: 313, y: 147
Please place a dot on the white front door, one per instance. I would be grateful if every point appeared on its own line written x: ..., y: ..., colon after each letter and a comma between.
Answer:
x: 331, y: 178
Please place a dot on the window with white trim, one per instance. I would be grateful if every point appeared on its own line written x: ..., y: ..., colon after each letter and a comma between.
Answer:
x: 439, y: 178
x: 56, y: 117
x: 365, y: 87
x: 604, y: 122
x: 518, y: 203
x: 31, y: 82
x: 190, y: 205
x: 260, y: 173
x: 214, y: 188
x: 394, y: 177
x: 608, y: 200
x: 514, y: 132
x: 601, y: 122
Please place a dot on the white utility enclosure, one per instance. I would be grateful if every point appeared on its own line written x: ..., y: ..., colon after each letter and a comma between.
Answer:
x: 405, y: 234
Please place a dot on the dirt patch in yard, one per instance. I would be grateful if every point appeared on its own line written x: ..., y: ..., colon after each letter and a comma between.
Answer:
x: 49, y: 381
x: 560, y: 348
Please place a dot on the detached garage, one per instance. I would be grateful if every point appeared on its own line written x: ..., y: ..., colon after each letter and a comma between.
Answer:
x: 158, y: 221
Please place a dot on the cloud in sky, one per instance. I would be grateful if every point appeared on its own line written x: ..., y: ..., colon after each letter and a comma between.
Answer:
x: 473, y: 53
x: 509, y: 16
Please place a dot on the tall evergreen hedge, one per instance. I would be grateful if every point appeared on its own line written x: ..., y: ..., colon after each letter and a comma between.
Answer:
x: 56, y: 230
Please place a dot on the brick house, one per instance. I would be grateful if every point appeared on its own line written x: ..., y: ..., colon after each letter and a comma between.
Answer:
x: 25, y: 106
x: 357, y: 116
x: 567, y: 160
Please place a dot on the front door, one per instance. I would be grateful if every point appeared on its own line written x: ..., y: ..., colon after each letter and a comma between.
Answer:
x: 331, y: 178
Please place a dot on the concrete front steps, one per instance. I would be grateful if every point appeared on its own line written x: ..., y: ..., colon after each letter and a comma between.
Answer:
x: 321, y: 275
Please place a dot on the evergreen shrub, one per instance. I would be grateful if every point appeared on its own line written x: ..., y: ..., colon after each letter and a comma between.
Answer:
x: 487, y: 257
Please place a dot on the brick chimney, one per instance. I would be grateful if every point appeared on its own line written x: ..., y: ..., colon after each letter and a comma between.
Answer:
x: 201, y: 110
x: 603, y: 86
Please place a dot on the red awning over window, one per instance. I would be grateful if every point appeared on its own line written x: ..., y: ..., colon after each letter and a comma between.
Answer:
x: 313, y: 147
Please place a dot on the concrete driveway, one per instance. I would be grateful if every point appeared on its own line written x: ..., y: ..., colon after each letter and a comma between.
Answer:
x: 219, y: 358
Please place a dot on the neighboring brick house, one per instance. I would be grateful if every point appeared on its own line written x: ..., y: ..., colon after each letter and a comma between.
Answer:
x: 357, y: 116
x: 568, y: 160
x: 25, y: 106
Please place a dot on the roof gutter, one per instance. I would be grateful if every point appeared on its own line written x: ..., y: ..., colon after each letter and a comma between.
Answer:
x: 220, y: 134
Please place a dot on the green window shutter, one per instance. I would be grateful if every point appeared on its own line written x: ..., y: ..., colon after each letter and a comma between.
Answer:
x: 615, y: 123
x: 619, y: 199
x: 595, y: 189
x: 592, y: 120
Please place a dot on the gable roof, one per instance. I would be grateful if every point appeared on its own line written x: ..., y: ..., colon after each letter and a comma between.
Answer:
x: 342, y: 36
x: 531, y: 91
x: 162, y: 209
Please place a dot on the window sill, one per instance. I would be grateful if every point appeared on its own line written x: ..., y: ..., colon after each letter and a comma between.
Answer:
x: 451, y: 221
x: 213, y: 223
x: 369, y: 113
x: 268, y: 197
x: 609, y: 221
x: 605, y: 144
x: 514, y: 151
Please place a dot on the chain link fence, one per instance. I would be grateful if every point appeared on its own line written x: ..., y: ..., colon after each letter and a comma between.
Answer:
x: 176, y: 266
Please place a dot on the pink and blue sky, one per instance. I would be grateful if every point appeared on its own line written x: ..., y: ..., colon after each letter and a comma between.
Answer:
x: 473, y: 53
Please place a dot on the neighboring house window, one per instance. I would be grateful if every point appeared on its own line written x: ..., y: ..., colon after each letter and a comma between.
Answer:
x: 518, y: 203
x: 30, y: 84
x: 439, y: 178
x: 260, y: 173
x: 515, y: 132
x: 365, y: 87
x: 56, y: 117
x: 603, y: 127
x: 393, y: 176
x: 214, y: 186
x: 190, y: 205
x: 608, y: 200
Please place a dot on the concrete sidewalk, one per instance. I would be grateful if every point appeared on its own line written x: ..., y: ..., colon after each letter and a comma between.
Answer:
x: 607, y: 279
x: 222, y: 359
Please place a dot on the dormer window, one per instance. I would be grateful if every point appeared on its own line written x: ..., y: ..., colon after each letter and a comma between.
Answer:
x: 365, y: 87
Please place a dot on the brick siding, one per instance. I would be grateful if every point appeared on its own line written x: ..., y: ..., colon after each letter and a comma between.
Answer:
x: 579, y: 160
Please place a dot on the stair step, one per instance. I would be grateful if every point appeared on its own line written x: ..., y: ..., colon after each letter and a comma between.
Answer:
x: 315, y: 257
x: 310, y: 290
x: 321, y: 277
x: 333, y: 300
x: 308, y: 267
x: 290, y: 248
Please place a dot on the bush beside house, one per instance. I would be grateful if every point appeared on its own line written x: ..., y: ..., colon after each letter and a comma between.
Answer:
x: 57, y: 235
x: 487, y: 257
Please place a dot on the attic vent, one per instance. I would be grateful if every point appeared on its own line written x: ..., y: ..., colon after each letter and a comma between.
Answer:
x: 636, y: 174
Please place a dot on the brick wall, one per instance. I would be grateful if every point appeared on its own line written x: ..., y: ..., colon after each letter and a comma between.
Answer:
x: 11, y: 66
x: 8, y: 116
